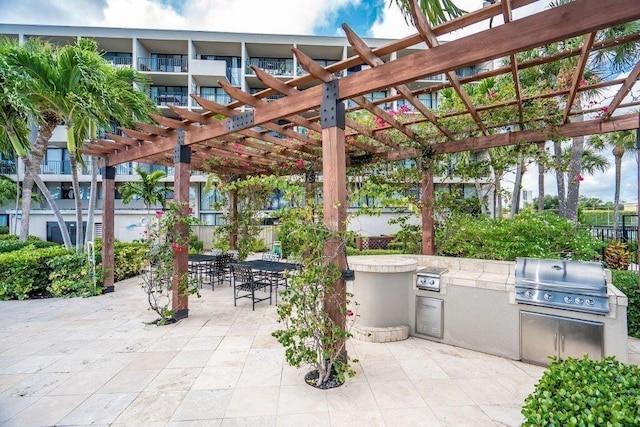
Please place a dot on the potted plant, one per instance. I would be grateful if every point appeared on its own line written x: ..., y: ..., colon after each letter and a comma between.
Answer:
x: 309, y: 334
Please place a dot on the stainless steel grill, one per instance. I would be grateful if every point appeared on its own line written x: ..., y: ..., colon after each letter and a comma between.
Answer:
x: 428, y: 279
x: 568, y: 285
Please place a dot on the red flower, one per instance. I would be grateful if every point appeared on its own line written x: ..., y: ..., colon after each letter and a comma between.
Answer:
x: 492, y: 94
x: 349, y: 313
x: 176, y: 248
x: 605, y: 110
x: 300, y: 164
x: 580, y: 177
x: 379, y: 122
x: 190, y: 209
x: 159, y: 214
x: 583, y: 82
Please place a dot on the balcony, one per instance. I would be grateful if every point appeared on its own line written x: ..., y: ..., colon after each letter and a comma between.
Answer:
x: 164, y: 65
x: 220, y: 98
x: 7, y: 167
x: 55, y: 167
x: 170, y: 98
x: 119, y: 61
x: 275, y: 67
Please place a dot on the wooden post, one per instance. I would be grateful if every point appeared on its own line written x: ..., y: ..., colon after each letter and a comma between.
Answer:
x: 428, y: 247
x: 638, y: 202
x: 108, y: 205
x: 334, y: 187
x: 182, y: 161
x: 233, y: 213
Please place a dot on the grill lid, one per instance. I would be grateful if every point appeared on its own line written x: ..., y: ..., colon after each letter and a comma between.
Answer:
x: 561, y: 274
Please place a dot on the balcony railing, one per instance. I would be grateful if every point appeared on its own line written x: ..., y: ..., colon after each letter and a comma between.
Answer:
x: 7, y: 167
x: 164, y: 65
x: 56, y: 167
x: 119, y: 61
x: 274, y: 67
x: 220, y: 98
x: 170, y: 98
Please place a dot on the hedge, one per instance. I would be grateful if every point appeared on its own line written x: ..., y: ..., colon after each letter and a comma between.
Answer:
x: 627, y: 282
x: 585, y: 392
x: 14, y: 245
x: 24, y: 273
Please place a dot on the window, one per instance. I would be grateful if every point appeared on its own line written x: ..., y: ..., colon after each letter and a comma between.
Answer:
x: 208, y: 199
x: 215, y: 94
x: 233, y: 66
x: 165, y: 95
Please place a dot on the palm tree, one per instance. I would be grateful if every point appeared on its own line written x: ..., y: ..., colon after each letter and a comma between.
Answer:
x: 149, y: 189
x: 622, y: 142
x: 436, y: 11
x: 74, y: 85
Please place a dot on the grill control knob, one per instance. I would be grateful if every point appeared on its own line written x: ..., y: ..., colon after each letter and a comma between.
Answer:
x: 528, y: 294
x: 579, y: 300
x: 589, y: 301
x: 568, y: 299
x: 432, y: 281
x: 547, y: 296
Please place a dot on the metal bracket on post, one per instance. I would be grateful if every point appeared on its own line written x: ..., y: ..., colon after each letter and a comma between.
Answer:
x: 109, y: 172
x: 181, y: 152
x: 310, y: 177
x: 240, y: 121
x: 332, y: 111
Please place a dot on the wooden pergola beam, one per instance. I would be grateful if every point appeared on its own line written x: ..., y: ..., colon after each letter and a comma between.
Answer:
x: 367, y: 55
x: 578, y: 73
x: 153, y: 130
x: 316, y: 70
x: 427, y: 34
x: 513, y: 62
x: 631, y: 79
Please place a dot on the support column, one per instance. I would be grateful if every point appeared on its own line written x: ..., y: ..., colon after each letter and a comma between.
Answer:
x: 334, y: 186
x: 638, y: 187
x: 108, y: 205
x: 428, y: 247
x: 182, y: 162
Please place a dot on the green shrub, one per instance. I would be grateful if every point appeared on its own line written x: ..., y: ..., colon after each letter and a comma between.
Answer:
x: 14, y: 245
x: 4, y: 229
x: 196, y: 246
x: 24, y: 273
x: 627, y: 282
x: 128, y: 258
x: 584, y: 392
x: 8, y: 237
x: 71, y: 276
x: 529, y: 234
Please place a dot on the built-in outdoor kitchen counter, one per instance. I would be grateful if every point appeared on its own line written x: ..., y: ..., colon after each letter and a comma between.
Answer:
x: 476, y: 308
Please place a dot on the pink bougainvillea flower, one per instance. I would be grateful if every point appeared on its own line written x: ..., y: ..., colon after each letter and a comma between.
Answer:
x: 583, y: 82
x: 349, y: 313
x: 580, y: 177
x: 159, y: 214
x: 300, y: 164
x: 235, y: 144
x: 176, y: 248
x: 379, y: 122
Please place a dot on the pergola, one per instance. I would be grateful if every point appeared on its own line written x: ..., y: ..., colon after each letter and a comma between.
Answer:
x: 235, y: 141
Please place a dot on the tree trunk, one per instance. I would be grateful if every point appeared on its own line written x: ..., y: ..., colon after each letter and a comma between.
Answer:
x: 92, y: 202
x: 517, y: 186
x: 573, y: 185
x: 52, y: 204
x: 618, y: 152
x: 562, y: 193
x: 37, y: 152
x: 75, y: 184
x: 541, y: 172
x: 498, y: 197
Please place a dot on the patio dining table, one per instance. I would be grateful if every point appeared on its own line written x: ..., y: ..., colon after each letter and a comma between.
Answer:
x: 271, y: 270
x: 201, y: 266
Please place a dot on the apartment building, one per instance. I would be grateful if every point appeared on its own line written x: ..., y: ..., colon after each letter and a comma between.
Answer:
x: 180, y: 63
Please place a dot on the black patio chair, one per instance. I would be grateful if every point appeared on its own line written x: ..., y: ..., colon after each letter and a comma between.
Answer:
x: 245, y: 285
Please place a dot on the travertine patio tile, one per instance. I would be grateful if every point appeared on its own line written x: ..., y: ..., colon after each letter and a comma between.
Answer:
x: 396, y: 394
x: 180, y: 379
x: 99, y: 409
x: 486, y: 391
x: 442, y: 393
x: 129, y: 381
x: 359, y: 418
x: 10, y: 406
x: 85, y: 382
x: 300, y: 399
x: 47, y: 410
x: 315, y: 419
x: 151, y: 360
x: 211, y: 378
x: 410, y: 417
x: 9, y: 380
x: 112, y: 361
x: 30, y: 364
x: 72, y: 363
x: 150, y: 407
x: 262, y: 421
x: 260, y: 375
x: 351, y: 396
x: 38, y: 384
x: 231, y: 357
x: 504, y: 415
x: 236, y: 342
x: 203, y: 405
x: 462, y: 416
x: 199, y: 343
x: 383, y: 370
x: 422, y: 369
x: 196, y: 423
x: 190, y: 359
x: 253, y: 401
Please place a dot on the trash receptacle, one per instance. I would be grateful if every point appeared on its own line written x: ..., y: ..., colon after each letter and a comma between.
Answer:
x: 277, y: 248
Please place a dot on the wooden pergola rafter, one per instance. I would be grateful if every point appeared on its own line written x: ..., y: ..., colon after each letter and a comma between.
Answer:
x: 238, y: 136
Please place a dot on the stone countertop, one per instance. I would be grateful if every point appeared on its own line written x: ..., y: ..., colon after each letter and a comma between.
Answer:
x: 382, y: 264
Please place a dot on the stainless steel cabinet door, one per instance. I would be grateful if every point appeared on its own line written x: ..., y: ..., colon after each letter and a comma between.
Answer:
x: 578, y: 338
x: 538, y: 337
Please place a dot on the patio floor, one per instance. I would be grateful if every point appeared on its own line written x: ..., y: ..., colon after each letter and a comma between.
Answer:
x: 95, y: 361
